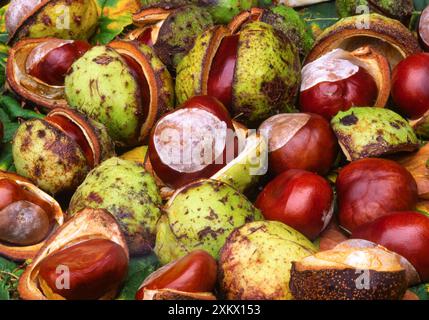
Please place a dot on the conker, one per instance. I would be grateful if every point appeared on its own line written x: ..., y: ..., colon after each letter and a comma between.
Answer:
x: 300, y: 199
x: 51, y: 60
x: 146, y: 37
x: 23, y: 223
x: 192, y: 142
x: 254, y: 71
x: 91, y: 269
x: 410, y: 85
x: 222, y: 70
x: 300, y: 141
x: 371, y: 188
x: 331, y: 84
x: 195, y: 272
x: 11, y: 191
x: 406, y: 233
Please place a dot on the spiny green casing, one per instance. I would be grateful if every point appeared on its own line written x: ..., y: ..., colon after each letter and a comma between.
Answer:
x: 52, y: 159
x: 201, y: 216
x: 101, y: 85
x: 61, y: 19
x: 372, y: 132
x: 48, y: 157
x: 190, y: 69
x: 163, y: 79
x: 346, y: 8
x: 267, y: 73
x: 287, y: 20
x: 178, y: 32
x: 106, y: 143
x: 256, y: 259
x: 247, y: 168
x: 397, y: 9
x: 224, y: 10
x: 266, y: 78
x: 129, y: 193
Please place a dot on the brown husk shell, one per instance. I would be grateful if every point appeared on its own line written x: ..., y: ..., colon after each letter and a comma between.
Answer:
x: 417, y: 164
x: 253, y: 14
x: 85, y: 225
x: 332, y: 284
x: 170, y: 294
x: 150, y: 16
x: 157, y: 105
x: 325, y: 276
x: 147, y: 18
x: 383, y: 34
x: 28, y: 15
x: 378, y: 67
x: 27, y: 252
x: 26, y: 86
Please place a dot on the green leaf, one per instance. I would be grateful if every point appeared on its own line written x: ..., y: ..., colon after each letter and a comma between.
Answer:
x: 138, y: 270
x: 15, y: 111
x: 4, y: 292
x: 115, y: 16
x: 9, y: 127
x: 2, y: 19
x: 320, y: 16
x: 9, y: 275
x: 422, y: 291
x: 10, y: 112
x: 110, y: 28
x: 6, y: 159
x: 7, y: 265
x: 420, y: 4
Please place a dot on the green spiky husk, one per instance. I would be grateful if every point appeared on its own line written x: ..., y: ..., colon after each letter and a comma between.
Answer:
x: 129, y: 193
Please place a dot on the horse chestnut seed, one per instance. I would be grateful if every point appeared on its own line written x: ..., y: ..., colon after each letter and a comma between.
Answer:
x: 300, y: 199
x: 95, y: 268
x: 195, y: 272
x: 192, y: 142
x: 371, y: 188
x: 221, y: 77
x: 406, y: 233
x: 300, y: 141
x: 51, y: 60
x: 410, y: 85
x: 332, y: 84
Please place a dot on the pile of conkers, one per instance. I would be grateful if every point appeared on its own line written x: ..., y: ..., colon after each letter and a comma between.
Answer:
x: 252, y: 160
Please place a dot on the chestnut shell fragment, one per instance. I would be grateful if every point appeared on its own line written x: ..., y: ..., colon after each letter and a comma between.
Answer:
x: 26, y: 86
x: 40, y: 18
x: 16, y: 252
x: 386, y: 35
x: 170, y: 30
x: 339, y: 274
